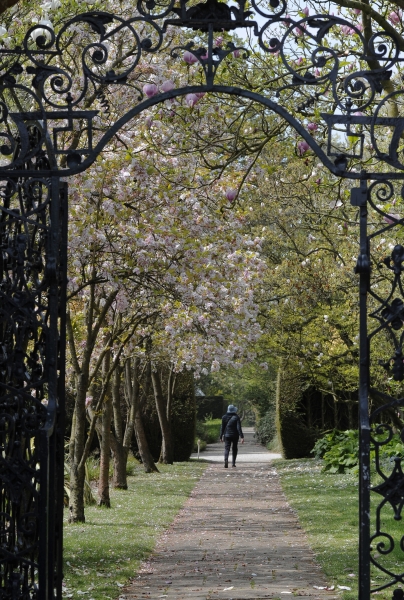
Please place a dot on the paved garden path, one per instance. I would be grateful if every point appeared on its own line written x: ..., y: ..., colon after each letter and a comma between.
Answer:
x: 235, y: 538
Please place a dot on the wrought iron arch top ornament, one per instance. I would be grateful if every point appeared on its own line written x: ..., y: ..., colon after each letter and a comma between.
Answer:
x: 37, y: 84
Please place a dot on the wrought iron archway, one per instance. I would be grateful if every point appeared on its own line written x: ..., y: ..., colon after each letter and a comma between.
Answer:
x: 43, y: 104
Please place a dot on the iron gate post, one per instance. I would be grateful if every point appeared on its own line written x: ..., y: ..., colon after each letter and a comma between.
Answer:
x: 33, y: 244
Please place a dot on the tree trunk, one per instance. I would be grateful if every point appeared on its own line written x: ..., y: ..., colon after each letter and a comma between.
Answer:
x: 76, y: 499
x: 72, y: 436
x: 135, y: 422
x: 166, y: 455
x: 119, y: 454
x: 103, y: 483
x: 336, y: 419
x: 322, y: 411
x: 5, y: 4
x: 77, y: 470
x: 350, y: 415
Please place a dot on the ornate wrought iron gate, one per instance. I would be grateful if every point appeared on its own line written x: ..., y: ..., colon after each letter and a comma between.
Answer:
x: 33, y: 241
x: 48, y: 135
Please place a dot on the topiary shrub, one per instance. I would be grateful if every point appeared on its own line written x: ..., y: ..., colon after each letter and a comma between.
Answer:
x: 183, y: 416
x: 265, y: 431
x: 295, y: 437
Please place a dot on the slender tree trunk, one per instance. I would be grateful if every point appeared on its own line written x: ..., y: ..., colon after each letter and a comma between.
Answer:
x: 76, y: 499
x: 308, y: 409
x: 72, y: 437
x: 132, y: 392
x: 322, y: 411
x: 77, y: 470
x: 5, y: 4
x: 166, y: 455
x: 119, y: 454
x: 336, y: 420
x: 350, y: 415
x: 103, y: 483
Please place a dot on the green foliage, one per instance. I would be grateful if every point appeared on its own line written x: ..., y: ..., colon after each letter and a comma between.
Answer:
x: 250, y: 388
x: 340, y: 451
x: 265, y: 431
x: 208, y: 432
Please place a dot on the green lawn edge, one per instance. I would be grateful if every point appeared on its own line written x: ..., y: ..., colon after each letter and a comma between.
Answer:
x: 103, y: 554
x: 327, y: 508
x: 327, y: 505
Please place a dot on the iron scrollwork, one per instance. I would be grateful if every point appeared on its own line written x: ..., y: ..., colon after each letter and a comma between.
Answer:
x: 33, y: 227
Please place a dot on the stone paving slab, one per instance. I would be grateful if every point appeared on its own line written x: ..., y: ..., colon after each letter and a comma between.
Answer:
x: 235, y: 538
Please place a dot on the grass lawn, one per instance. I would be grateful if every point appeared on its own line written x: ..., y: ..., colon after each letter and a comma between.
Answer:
x: 327, y: 505
x: 103, y: 553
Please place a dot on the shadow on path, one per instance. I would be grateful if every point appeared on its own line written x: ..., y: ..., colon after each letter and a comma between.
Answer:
x: 235, y: 538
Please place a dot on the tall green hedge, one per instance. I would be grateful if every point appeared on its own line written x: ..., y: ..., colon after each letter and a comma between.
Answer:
x: 296, y: 438
x: 183, y: 418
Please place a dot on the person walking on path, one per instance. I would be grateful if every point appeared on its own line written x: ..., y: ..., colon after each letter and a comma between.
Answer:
x: 230, y: 432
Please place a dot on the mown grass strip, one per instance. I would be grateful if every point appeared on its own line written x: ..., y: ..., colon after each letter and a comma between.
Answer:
x: 327, y: 506
x: 103, y: 553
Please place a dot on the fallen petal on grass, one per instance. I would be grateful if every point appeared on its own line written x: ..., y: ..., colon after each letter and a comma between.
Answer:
x: 344, y: 587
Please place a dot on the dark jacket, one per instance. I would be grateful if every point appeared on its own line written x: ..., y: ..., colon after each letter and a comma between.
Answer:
x: 231, y: 426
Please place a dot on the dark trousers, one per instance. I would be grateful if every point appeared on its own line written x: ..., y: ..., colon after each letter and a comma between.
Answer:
x: 228, y: 441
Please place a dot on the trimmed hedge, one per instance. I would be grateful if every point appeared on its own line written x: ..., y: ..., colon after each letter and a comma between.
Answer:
x: 183, y: 416
x: 183, y: 419
x: 296, y: 438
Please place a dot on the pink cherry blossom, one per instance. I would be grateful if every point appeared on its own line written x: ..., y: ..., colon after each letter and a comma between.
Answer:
x: 312, y: 126
x: 167, y: 86
x: 190, y: 58
x: 150, y: 89
x: 191, y: 100
x: 395, y: 17
x: 302, y: 147
x: 300, y: 30
x: 231, y: 194
x: 200, y: 95
x: 219, y: 40
x: 306, y: 11
x: 346, y: 30
x: 392, y: 218
x: 286, y: 23
x: 236, y: 53
x: 357, y: 11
